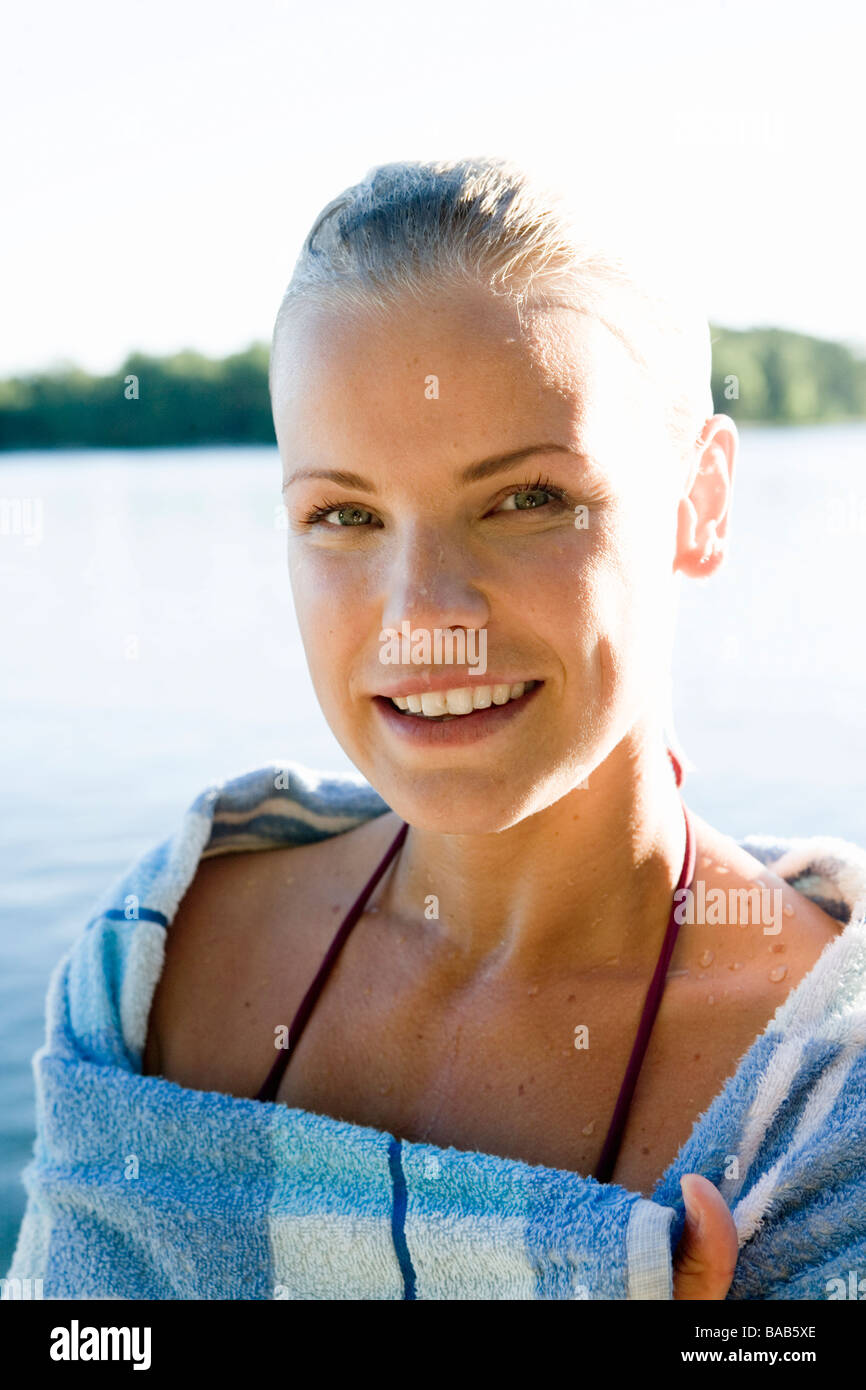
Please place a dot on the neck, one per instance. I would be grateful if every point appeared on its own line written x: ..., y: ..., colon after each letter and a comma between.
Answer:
x: 586, y: 882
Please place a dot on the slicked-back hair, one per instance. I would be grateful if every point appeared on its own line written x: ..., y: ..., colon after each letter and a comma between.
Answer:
x: 411, y: 230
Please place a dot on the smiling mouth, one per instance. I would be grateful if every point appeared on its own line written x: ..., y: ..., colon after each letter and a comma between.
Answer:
x: 441, y: 705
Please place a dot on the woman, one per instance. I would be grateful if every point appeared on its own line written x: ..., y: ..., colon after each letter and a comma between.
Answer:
x: 499, y: 453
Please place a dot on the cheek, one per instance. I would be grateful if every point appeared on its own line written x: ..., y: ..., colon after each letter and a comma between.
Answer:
x: 572, y: 590
x: 339, y: 622
x: 324, y: 603
x: 325, y: 587
x: 635, y: 603
x: 610, y: 595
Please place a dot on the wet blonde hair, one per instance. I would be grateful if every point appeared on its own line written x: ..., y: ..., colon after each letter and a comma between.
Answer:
x: 412, y: 229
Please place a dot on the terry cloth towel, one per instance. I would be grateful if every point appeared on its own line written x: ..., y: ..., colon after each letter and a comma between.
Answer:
x: 140, y: 1188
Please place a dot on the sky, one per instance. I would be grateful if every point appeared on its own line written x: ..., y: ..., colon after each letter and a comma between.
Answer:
x: 164, y: 159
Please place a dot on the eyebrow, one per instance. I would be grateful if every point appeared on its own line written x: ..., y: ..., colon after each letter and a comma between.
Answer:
x: 474, y: 473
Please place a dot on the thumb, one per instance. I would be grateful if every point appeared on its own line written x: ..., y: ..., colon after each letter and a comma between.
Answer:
x: 706, y: 1255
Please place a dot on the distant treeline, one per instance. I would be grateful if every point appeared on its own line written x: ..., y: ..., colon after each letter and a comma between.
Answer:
x: 786, y: 378
x: 760, y: 374
x: 184, y: 399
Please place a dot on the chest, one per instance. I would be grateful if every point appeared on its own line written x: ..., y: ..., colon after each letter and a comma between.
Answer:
x: 526, y: 1069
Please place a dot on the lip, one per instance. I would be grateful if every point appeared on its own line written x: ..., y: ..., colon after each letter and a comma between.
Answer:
x: 421, y: 685
x: 462, y: 729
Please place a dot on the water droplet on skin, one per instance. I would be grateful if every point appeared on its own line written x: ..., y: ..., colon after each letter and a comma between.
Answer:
x: 533, y: 989
x: 707, y: 958
x: 778, y: 972
x: 736, y: 965
x: 587, y: 1129
x: 720, y: 869
x: 787, y: 910
x: 711, y: 999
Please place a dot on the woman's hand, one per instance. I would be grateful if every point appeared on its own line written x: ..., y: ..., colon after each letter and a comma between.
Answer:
x: 707, y: 1253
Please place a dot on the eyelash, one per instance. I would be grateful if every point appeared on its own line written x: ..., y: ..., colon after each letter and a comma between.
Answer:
x: 541, y: 484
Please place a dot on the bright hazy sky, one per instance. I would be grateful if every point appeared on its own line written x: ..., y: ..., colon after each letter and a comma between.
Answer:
x: 163, y: 159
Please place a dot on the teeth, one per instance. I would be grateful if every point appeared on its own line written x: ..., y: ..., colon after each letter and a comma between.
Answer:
x: 459, y: 701
x: 462, y: 700
x: 434, y: 702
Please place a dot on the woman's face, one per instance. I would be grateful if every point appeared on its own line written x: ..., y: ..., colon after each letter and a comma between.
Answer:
x: 561, y: 560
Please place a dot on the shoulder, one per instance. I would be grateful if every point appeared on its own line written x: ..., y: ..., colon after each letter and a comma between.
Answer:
x: 246, y: 939
x: 118, y: 961
x: 763, y: 923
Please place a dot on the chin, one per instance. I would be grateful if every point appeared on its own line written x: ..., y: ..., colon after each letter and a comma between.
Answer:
x: 457, y: 801
x: 456, y: 815
x: 472, y: 791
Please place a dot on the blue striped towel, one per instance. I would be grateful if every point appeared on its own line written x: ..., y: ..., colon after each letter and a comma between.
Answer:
x: 140, y: 1188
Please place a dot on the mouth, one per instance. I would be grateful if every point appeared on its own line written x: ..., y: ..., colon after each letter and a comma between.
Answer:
x: 442, y: 705
x: 460, y: 716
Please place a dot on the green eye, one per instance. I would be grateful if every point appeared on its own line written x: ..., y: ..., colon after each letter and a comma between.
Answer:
x: 350, y: 516
x: 526, y: 505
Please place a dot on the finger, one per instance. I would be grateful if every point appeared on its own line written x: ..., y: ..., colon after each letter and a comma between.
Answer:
x: 706, y: 1256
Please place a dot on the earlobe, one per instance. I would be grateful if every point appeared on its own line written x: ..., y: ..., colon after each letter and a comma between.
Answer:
x: 713, y: 543
x: 703, y: 515
x: 700, y: 549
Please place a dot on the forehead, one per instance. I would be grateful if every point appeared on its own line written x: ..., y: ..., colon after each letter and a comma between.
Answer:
x: 463, y: 368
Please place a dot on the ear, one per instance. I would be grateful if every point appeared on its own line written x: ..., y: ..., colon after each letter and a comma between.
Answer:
x: 704, y: 508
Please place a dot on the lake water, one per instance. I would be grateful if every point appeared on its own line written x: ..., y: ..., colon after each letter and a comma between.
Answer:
x: 150, y: 645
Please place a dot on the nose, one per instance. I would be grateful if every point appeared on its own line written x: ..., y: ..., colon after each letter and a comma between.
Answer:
x: 433, y: 583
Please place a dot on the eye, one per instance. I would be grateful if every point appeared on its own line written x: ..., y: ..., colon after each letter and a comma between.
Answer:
x: 524, y: 501
x: 530, y: 496
x: 347, y: 515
